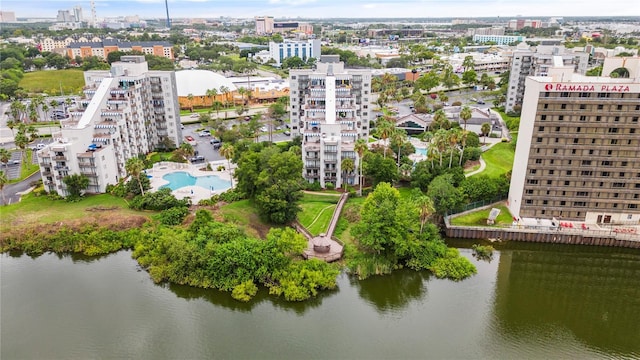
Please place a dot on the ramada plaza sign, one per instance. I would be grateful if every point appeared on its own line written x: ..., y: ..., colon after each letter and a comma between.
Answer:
x: 621, y: 88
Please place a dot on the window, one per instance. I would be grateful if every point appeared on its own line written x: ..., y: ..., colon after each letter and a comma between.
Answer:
x: 569, y: 172
x: 538, y: 161
x: 579, y: 203
x: 560, y: 117
x: 606, y: 163
x: 586, y: 162
x: 551, y: 172
x: 632, y: 206
x: 563, y: 106
x: 529, y: 202
x: 583, y: 107
x: 618, y: 185
x: 566, y: 183
x: 575, y: 141
x: 532, y: 182
x: 598, y: 118
x: 563, y: 203
x: 541, y: 128
x: 543, y: 117
x: 533, y: 171
x: 539, y: 140
x: 557, y: 128
x: 582, y: 193
x: 600, y: 107
x: 586, y: 173
x: 583, y: 118
x: 605, y: 173
x: 619, y: 107
x: 548, y: 182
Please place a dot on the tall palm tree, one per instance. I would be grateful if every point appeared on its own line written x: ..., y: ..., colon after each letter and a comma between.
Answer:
x: 440, y: 140
x: 67, y: 102
x: 190, y: 97
x: 11, y: 124
x: 135, y: 168
x: 463, y: 140
x: 361, y: 147
x: 212, y: 93
x: 398, y: 136
x: 225, y: 91
x: 384, y: 129
x: 453, y: 137
x: 227, y: 151
x: 425, y: 209
x: 5, y: 156
x: 485, y: 129
x: 3, y: 181
x: 465, y: 115
x: 347, y: 167
x: 440, y: 121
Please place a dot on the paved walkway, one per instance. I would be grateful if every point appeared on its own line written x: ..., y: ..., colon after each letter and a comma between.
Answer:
x: 323, y: 246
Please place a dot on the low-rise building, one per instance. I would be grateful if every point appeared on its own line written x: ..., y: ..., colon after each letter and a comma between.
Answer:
x: 304, y: 49
x: 102, y: 48
x: 498, y: 39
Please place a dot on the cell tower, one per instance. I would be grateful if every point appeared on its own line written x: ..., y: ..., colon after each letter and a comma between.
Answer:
x: 94, y: 21
x: 166, y: 5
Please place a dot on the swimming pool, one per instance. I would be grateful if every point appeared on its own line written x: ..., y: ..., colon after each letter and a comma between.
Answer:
x: 421, y: 151
x: 180, y: 179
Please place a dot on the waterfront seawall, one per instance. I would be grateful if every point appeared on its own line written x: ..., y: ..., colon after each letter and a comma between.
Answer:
x: 564, y: 236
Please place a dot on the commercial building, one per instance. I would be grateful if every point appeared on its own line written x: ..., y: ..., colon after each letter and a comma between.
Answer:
x: 264, y: 25
x: 126, y: 111
x: 578, y: 151
x: 104, y: 47
x: 498, y: 39
x: 304, y: 49
x: 518, y: 24
x: 330, y: 110
x: 536, y: 61
x: 494, y: 30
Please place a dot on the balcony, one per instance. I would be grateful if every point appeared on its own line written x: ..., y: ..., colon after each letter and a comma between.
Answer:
x: 59, y: 158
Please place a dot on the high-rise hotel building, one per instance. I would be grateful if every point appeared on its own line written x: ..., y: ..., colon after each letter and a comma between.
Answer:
x: 578, y: 150
x: 330, y: 110
x: 126, y: 111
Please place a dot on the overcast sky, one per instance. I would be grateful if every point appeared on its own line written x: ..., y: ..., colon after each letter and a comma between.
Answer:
x: 330, y: 8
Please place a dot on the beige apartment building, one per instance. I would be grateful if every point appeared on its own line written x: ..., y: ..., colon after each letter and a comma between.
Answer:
x: 330, y: 110
x: 578, y: 150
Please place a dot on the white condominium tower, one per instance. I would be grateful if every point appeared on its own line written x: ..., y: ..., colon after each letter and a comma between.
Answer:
x: 330, y: 110
x: 127, y: 111
x: 536, y: 61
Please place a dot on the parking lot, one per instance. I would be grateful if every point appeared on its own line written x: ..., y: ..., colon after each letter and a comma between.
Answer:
x: 12, y: 168
x: 209, y: 151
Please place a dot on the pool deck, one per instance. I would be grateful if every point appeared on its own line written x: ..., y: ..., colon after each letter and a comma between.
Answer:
x: 195, y: 193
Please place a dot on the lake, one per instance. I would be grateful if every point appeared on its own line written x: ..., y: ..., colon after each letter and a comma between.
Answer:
x: 530, y: 301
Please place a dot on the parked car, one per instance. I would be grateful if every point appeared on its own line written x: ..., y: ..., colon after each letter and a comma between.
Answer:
x: 198, y: 158
x: 204, y: 133
x: 287, y: 133
x: 194, y: 115
x: 278, y: 127
x: 190, y: 140
x: 264, y: 129
x: 481, y: 102
x: 37, y: 147
x: 214, y: 140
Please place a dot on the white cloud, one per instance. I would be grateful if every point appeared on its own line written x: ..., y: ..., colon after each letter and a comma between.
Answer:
x: 291, y: 2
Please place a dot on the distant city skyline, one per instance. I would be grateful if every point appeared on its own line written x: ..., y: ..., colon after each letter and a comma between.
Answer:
x: 329, y: 8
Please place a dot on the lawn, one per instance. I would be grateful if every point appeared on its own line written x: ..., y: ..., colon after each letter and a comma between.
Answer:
x: 51, y: 82
x: 244, y: 214
x: 513, y: 122
x: 479, y: 218
x: 343, y: 228
x: 317, y: 211
x: 499, y: 159
x: 34, y: 210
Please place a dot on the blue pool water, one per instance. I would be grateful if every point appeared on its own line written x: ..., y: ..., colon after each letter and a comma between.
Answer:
x: 421, y: 151
x: 181, y: 179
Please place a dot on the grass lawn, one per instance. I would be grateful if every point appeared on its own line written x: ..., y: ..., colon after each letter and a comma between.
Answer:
x: 317, y: 211
x: 155, y: 157
x: 244, y: 214
x: 33, y: 210
x: 512, y: 121
x: 343, y: 228
x: 479, y: 218
x: 50, y: 81
x: 499, y: 159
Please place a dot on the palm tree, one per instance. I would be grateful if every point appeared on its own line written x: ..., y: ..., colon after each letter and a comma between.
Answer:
x: 67, y: 102
x: 227, y: 151
x: 212, y: 93
x: 384, y: 129
x: 16, y: 110
x: 45, y: 110
x: 398, y: 136
x: 440, y: 121
x: 347, y: 167
x: 452, y: 137
x: 216, y: 105
x: 11, y: 124
x: 33, y: 133
x: 485, y: 129
x: 361, y: 148
x: 225, y: 91
x: 463, y: 140
x: 425, y: 209
x: 465, y: 115
x: 3, y: 181
x: 135, y: 168
x: 5, y: 156
x: 190, y: 97
x: 440, y: 140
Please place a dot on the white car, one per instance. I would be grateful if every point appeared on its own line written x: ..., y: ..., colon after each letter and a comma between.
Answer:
x: 204, y: 133
x: 194, y: 115
x: 264, y: 129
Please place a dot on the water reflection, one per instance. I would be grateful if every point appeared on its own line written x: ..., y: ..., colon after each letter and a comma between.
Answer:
x: 590, y: 292
x: 393, y: 292
x: 224, y: 299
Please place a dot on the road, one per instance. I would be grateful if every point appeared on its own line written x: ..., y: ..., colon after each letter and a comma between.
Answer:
x: 11, y: 190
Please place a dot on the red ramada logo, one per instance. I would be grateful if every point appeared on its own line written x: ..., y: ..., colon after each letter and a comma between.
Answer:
x: 548, y: 87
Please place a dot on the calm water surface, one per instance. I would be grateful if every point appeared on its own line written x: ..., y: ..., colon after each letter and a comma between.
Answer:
x: 528, y: 302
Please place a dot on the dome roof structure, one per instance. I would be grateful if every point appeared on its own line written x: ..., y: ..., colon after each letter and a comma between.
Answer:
x: 197, y: 82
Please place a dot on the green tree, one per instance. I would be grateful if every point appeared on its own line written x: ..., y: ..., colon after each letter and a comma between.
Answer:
x: 428, y: 81
x: 485, y: 129
x: 445, y: 196
x: 135, y: 168
x: 384, y: 129
x: 347, y: 167
x: 378, y: 227
x: 3, y: 181
x: 227, y: 151
x: 468, y: 63
x: 5, y: 156
x: 425, y: 209
x: 75, y: 184
x: 470, y: 77
x: 361, y: 147
x: 380, y: 169
x: 465, y: 115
